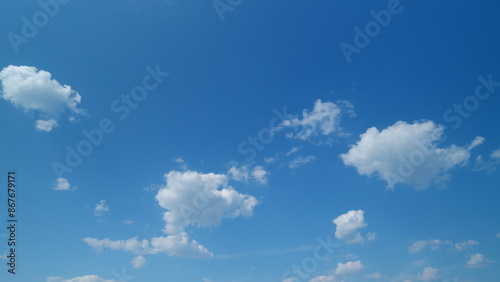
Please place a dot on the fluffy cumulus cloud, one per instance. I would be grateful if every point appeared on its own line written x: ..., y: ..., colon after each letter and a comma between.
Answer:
x: 172, y: 245
x: 245, y: 173
x: 86, y: 278
x: 101, y: 208
x: 348, y: 225
x: 138, y: 262
x: 202, y: 200
x: 35, y: 91
x: 407, y: 154
x: 428, y: 274
x: 324, y: 278
x: 348, y: 267
x: 436, y: 244
x: 62, y: 184
x: 323, y: 120
x: 478, y: 260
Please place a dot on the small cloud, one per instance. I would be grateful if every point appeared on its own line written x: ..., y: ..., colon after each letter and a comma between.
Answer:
x: 45, y: 125
x: 129, y: 221
x: 428, y: 274
x: 300, y: 161
x: 138, y: 262
x: 293, y: 150
x: 245, y: 173
x: 62, y: 184
x: 260, y: 175
x: 101, y: 208
x: 323, y: 278
x: 477, y: 261
x: 348, y: 267
x: 348, y: 225
x: 323, y: 120
x: 376, y: 275
x: 179, y: 161
x: 86, y: 278
x: 269, y: 160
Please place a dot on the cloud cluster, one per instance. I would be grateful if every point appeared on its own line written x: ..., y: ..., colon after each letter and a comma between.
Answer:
x: 347, y: 226
x: 172, y: 245
x: 35, y: 91
x: 197, y: 199
x: 245, y: 173
x: 323, y: 120
x: 407, y: 153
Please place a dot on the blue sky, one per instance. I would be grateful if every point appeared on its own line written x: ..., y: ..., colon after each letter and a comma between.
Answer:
x: 251, y: 141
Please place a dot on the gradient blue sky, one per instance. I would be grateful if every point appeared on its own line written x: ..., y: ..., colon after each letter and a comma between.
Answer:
x: 347, y: 126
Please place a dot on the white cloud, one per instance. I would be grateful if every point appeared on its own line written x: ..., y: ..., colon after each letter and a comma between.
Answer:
x: 490, y: 164
x: 172, y: 245
x: 428, y: 274
x: 300, y: 161
x: 260, y: 175
x: 291, y: 279
x: 371, y: 236
x: 86, y: 278
x: 495, y: 154
x: 418, y: 246
x: 45, y: 125
x: 376, y: 275
x: 239, y: 173
x: 348, y: 267
x: 138, y: 262
x: 406, y: 153
x: 245, y: 173
x: 292, y: 151
x: 35, y: 91
x: 435, y: 244
x: 62, y: 184
x: 323, y: 120
x: 323, y: 278
x: 476, y: 142
x: 348, y: 225
x: 101, y: 208
x: 269, y: 160
x: 129, y: 221
x: 478, y: 260
x: 196, y: 199
x: 462, y: 246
